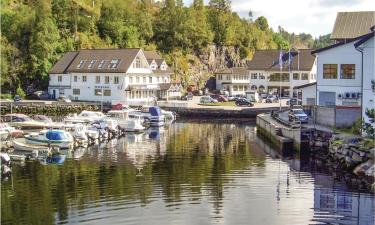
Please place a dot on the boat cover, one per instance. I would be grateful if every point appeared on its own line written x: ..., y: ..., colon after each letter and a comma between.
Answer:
x: 155, y: 111
x: 56, y: 135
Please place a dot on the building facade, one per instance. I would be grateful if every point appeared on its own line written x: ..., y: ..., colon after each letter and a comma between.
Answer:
x: 110, y: 75
x: 298, y: 68
x: 235, y: 80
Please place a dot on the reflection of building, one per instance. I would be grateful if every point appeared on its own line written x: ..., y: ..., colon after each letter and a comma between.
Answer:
x: 333, y: 205
x: 265, y: 76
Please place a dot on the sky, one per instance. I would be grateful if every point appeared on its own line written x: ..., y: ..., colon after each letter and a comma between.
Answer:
x: 309, y: 16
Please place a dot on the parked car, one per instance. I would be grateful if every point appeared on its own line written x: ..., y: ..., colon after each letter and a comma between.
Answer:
x: 63, y: 98
x: 17, y: 98
x: 207, y: 99
x: 39, y: 95
x: 263, y: 95
x: 294, y: 101
x: 298, y: 115
x: 244, y: 102
x: 272, y: 99
x: 219, y: 98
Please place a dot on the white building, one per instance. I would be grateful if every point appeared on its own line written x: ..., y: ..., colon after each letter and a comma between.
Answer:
x: 366, y: 47
x: 265, y: 75
x: 110, y: 75
x: 235, y: 80
x: 307, y: 93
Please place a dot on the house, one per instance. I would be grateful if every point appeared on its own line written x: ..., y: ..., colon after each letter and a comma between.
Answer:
x: 307, y: 93
x: 366, y: 47
x: 350, y: 25
x: 235, y: 80
x: 265, y: 75
x: 110, y: 75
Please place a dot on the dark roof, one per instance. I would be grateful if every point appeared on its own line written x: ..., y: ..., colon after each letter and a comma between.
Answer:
x: 126, y: 57
x: 305, y: 85
x: 364, y: 39
x: 350, y: 25
x: 152, y: 55
x: 233, y: 70
x: 268, y: 60
x: 338, y: 44
x: 63, y: 63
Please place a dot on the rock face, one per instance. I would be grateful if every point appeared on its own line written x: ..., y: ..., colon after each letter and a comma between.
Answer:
x: 215, y: 58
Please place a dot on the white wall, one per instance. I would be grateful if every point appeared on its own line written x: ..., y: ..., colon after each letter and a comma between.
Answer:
x: 345, y: 54
x: 308, y: 92
x: 368, y: 76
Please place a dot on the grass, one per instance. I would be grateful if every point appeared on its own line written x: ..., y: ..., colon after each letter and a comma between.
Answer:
x: 219, y: 104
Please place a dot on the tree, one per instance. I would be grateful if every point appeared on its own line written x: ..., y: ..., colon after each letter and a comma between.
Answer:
x: 262, y: 23
x: 222, y: 5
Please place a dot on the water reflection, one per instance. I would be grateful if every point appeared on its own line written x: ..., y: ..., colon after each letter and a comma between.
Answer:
x: 187, y: 173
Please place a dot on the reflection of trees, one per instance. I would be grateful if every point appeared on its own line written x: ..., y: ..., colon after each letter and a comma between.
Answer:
x: 196, y: 157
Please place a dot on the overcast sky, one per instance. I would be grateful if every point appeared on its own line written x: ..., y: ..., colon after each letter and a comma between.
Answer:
x: 310, y: 16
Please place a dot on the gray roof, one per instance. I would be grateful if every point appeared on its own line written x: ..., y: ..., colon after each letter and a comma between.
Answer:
x: 350, y: 25
x: 267, y: 60
x: 233, y: 70
x: 63, y: 63
x: 305, y: 85
x: 126, y: 57
x: 152, y: 55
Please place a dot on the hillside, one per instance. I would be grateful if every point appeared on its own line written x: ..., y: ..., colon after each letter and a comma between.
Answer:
x: 196, y: 40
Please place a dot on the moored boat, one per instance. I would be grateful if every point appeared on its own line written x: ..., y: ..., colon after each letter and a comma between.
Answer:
x: 22, y: 121
x: 59, y: 138
x: 125, y: 123
x: 84, y: 117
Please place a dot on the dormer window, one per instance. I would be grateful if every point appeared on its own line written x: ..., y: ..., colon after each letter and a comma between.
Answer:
x: 92, y: 63
x: 79, y: 66
x: 114, y: 63
x: 137, y: 63
x: 101, y: 64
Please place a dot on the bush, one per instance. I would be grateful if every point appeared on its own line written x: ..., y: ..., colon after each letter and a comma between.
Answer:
x: 6, y: 96
x: 20, y: 92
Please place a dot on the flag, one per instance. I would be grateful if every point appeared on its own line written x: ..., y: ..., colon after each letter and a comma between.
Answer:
x: 281, y: 59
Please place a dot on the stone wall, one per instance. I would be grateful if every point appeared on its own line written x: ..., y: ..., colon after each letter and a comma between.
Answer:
x: 347, y: 116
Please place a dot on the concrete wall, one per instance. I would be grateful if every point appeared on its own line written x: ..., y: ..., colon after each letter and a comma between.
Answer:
x: 346, y: 117
x: 325, y: 116
x: 368, y: 76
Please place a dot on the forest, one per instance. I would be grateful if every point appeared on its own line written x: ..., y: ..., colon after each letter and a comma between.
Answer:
x: 36, y: 33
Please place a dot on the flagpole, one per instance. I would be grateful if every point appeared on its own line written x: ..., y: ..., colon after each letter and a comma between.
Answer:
x: 281, y: 69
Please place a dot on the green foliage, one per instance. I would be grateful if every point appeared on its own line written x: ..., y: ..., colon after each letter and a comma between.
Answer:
x: 37, y: 33
x: 20, y: 92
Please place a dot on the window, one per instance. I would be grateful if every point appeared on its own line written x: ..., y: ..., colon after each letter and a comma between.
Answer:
x: 329, y: 71
x: 91, y: 65
x: 107, y: 92
x: 59, y: 78
x: 137, y: 80
x: 150, y: 80
x: 304, y: 76
x: 131, y: 80
x: 137, y: 63
x: 98, y: 92
x: 116, y: 80
x: 220, y: 77
x: 158, y: 79
x: 75, y: 78
x: 114, y: 63
x: 254, y: 75
x: 262, y: 76
x: 97, y: 79
x: 106, y: 79
x: 101, y: 64
x: 76, y: 91
x: 275, y: 77
x: 295, y: 76
x: 235, y: 88
x: 79, y: 66
x: 144, y: 80
x: 347, y: 71
x: 84, y: 78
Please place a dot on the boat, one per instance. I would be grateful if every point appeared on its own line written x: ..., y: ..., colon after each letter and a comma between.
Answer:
x: 168, y: 115
x: 58, y: 138
x: 150, y: 114
x: 22, y: 121
x: 20, y: 144
x: 6, y: 170
x: 84, y: 117
x: 125, y: 123
x: 49, y: 123
x: 82, y: 133
x: 11, y: 131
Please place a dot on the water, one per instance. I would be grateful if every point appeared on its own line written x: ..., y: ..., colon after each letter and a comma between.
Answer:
x: 188, y: 173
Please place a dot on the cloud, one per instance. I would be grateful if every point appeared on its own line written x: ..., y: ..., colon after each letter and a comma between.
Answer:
x: 309, y: 16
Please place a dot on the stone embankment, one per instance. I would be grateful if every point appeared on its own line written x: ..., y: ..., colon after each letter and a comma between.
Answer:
x: 349, y: 158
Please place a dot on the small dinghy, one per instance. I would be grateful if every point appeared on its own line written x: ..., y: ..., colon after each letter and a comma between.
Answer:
x: 59, y: 138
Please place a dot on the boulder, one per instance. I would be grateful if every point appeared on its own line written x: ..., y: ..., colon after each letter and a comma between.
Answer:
x: 357, y: 158
x: 361, y: 169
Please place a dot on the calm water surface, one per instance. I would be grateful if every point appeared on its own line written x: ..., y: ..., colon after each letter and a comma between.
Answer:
x: 188, y: 173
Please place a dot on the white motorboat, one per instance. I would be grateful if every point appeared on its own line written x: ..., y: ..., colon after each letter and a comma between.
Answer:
x: 84, y: 117
x: 82, y: 133
x: 152, y: 114
x: 7, y: 131
x: 59, y: 138
x: 125, y: 123
x: 49, y: 123
x: 168, y: 115
x: 22, y: 121
x: 20, y: 144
